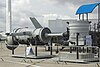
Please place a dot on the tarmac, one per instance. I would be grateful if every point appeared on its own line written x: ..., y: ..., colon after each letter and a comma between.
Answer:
x: 6, y: 59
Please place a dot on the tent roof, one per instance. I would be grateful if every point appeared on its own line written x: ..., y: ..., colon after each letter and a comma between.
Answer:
x: 87, y: 8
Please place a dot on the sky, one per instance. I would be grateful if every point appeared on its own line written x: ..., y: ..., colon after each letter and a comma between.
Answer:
x: 23, y: 9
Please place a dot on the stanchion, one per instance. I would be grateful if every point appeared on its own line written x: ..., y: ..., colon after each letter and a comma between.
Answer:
x: 35, y: 50
x: 36, y: 46
x: 77, y: 52
x: 51, y: 47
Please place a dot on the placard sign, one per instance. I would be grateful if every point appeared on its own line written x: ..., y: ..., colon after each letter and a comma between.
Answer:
x: 29, y: 51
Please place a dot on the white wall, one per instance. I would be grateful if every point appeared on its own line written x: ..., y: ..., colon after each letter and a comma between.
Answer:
x: 58, y: 25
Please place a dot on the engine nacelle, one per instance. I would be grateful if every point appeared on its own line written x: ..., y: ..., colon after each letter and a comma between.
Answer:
x: 11, y: 42
x: 39, y: 36
x: 23, y: 39
x: 41, y: 32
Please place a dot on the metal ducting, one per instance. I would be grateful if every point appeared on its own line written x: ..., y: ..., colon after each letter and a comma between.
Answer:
x: 81, y: 27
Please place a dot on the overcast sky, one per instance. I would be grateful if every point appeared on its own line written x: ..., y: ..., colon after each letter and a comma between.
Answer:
x: 23, y: 9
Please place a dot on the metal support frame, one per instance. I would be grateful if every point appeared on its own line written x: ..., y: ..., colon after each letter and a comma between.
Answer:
x: 95, y: 27
x: 77, y: 52
x: 83, y: 50
x: 48, y: 48
x: 79, y: 16
x: 83, y: 17
x: 25, y: 52
x: 70, y: 49
x: 13, y: 52
x: 51, y: 47
x: 57, y: 51
x: 87, y: 16
x: 35, y: 50
x: 36, y: 46
x: 87, y: 49
x: 90, y: 27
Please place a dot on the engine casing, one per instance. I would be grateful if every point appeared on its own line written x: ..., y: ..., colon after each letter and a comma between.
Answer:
x: 11, y: 42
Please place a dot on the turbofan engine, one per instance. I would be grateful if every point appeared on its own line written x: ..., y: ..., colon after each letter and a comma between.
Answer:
x: 11, y: 42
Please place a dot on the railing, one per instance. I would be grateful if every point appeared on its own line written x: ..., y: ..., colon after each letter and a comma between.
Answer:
x: 77, y: 51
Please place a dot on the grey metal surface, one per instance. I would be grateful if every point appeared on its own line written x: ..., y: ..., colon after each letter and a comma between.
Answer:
x: 81, y: 27
x: 54, y: 34
x: 35, y: 23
